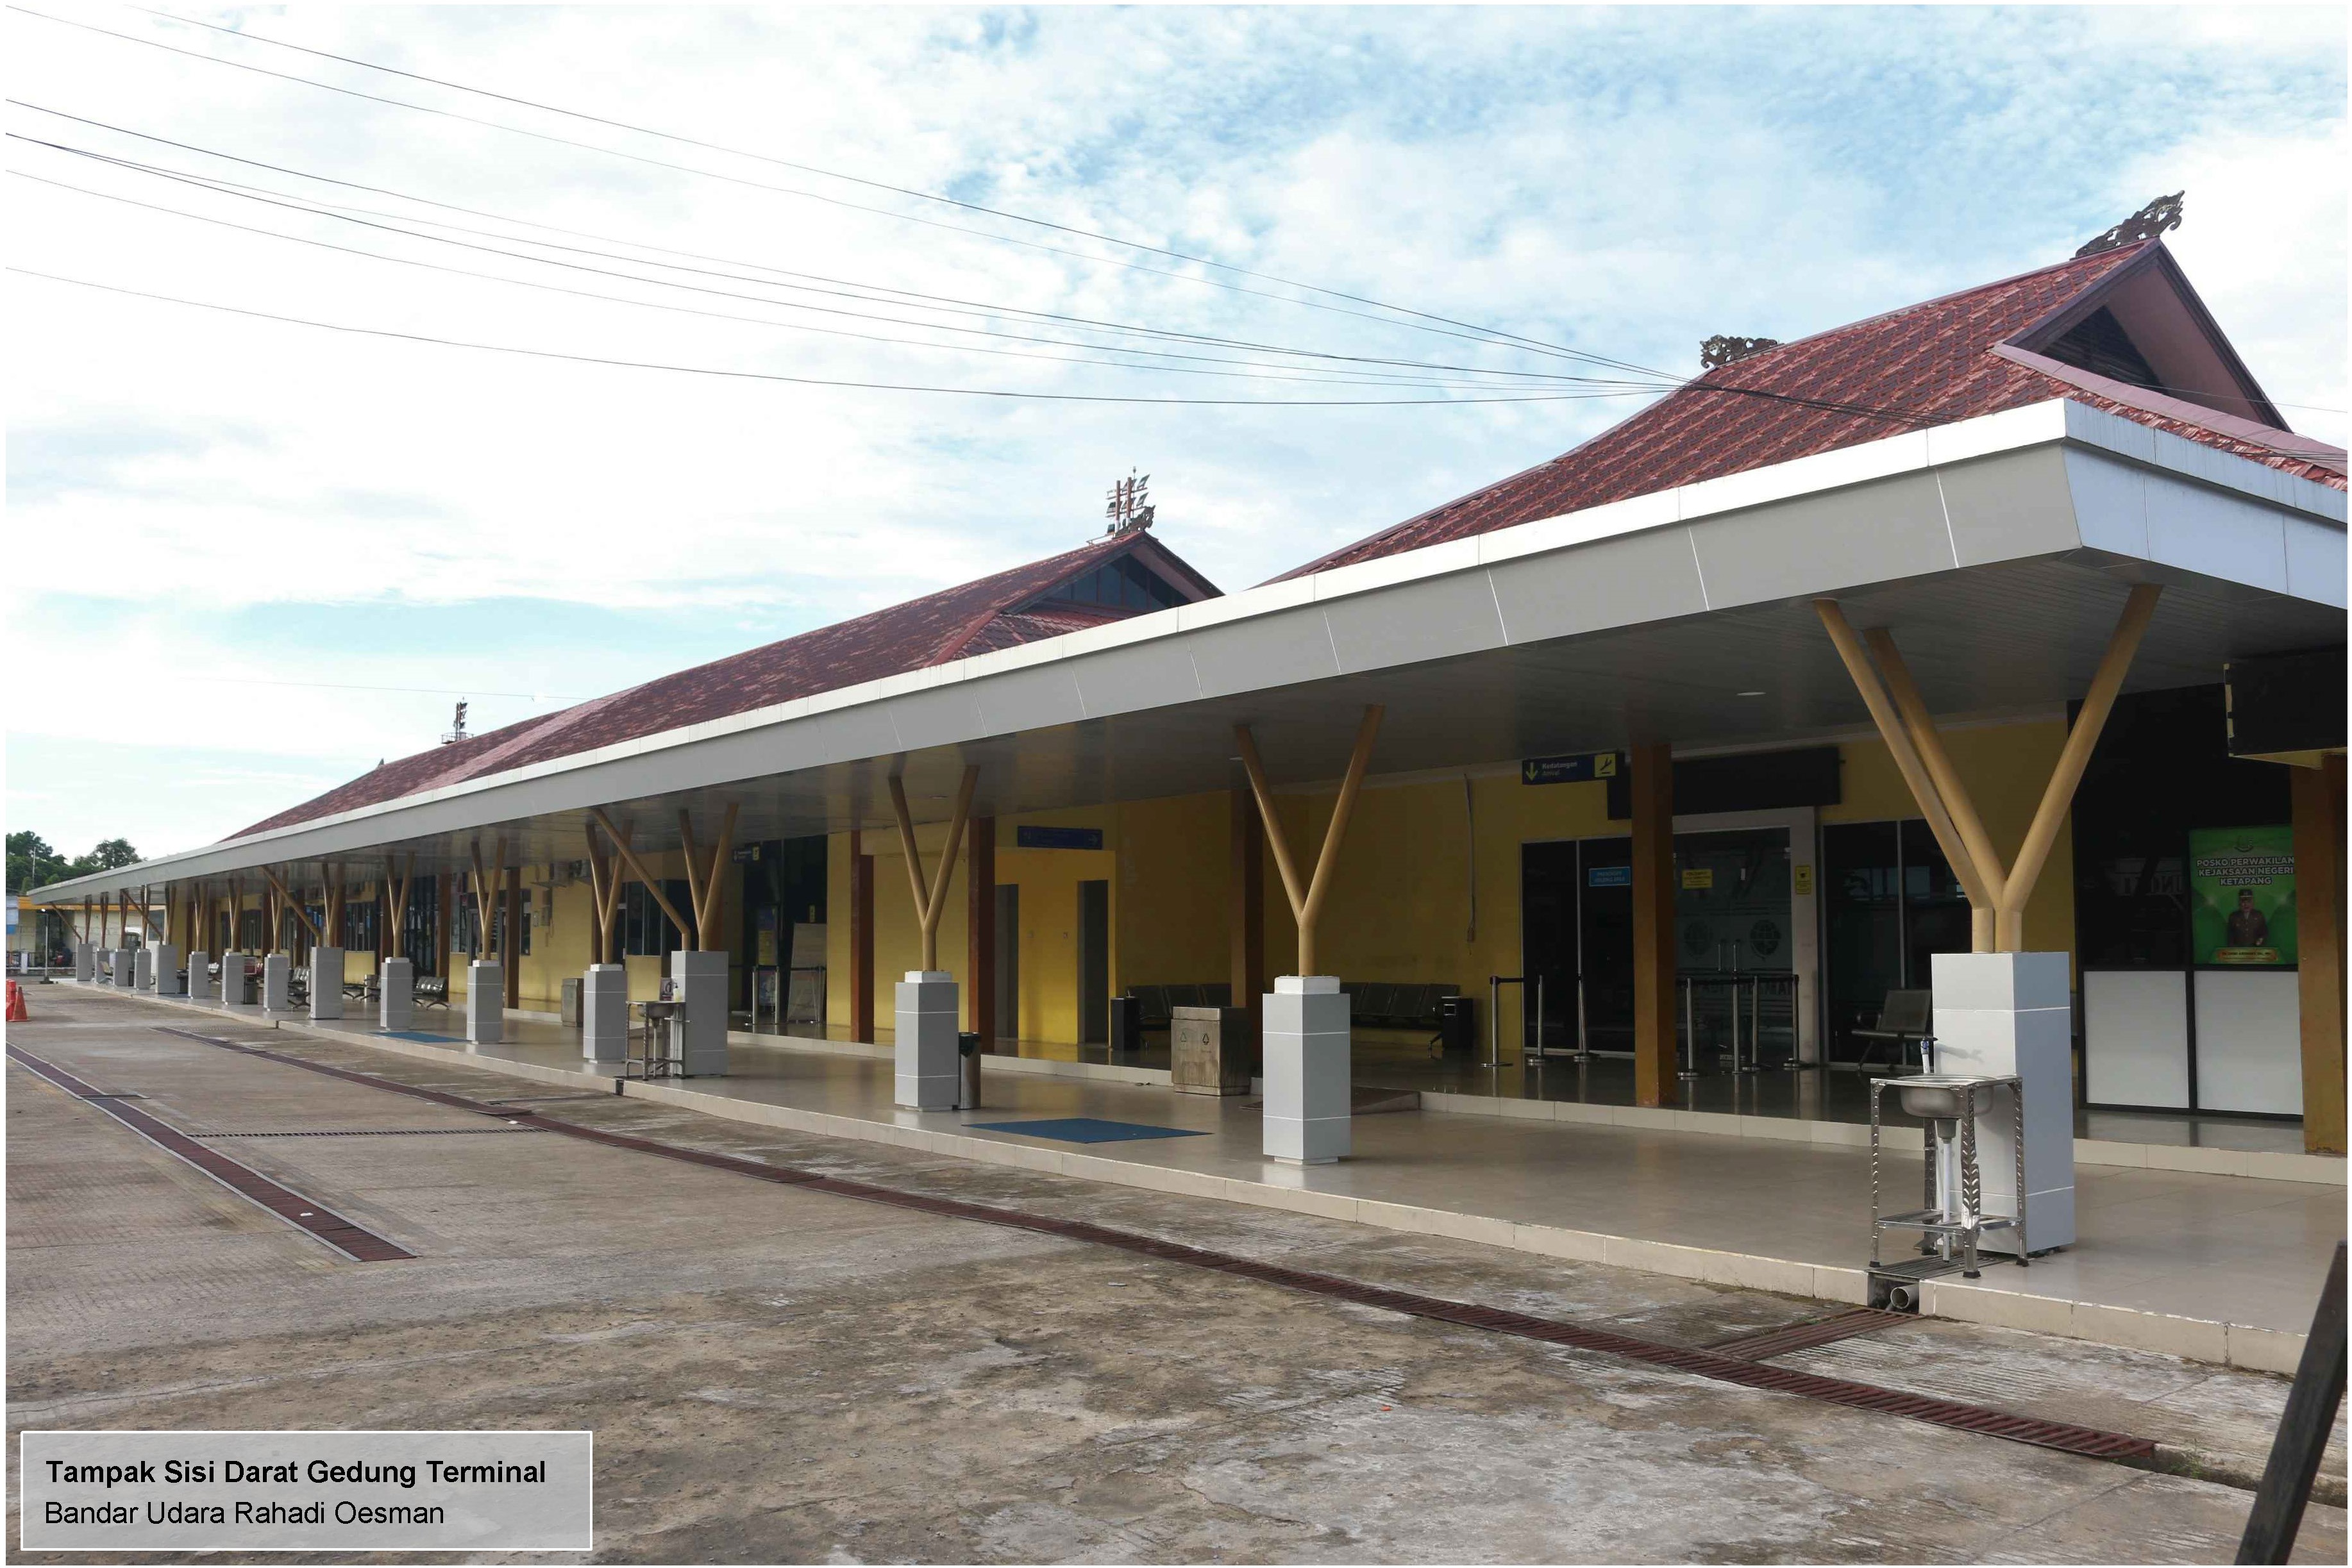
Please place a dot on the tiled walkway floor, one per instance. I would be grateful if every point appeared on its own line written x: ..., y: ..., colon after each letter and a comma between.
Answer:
x: 2222, y: 1249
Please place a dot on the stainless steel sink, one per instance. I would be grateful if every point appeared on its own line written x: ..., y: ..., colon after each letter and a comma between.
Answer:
x: 1933, y: 1097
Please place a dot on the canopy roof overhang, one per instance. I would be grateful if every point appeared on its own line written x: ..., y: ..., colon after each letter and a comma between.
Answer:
x: 1999, y: 550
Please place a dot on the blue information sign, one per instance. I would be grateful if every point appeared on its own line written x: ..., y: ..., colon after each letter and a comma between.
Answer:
x: 1576, y: 769
x: 1608, y: 876
x: 1044, y: 838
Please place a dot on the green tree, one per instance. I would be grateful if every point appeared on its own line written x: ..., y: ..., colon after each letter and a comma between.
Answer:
x: 32, y: 862
x: 107, y: 854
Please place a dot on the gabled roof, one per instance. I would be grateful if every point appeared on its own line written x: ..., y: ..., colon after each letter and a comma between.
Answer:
x: 1923, y: 365
x: 999, y: 612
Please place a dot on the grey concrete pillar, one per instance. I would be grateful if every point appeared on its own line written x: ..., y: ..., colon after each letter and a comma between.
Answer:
x: 143, y: 970
x: 276, y: 979
x: 85, y: 963
x: 486, y: 1002
x: 326, y: 983
x: 1307, y: 1072
x: 1999, y: 1013
x: 396, y: 995
x: 231, y: 978
x: 702, y: 986
x: 604, y: 1015
x: 200, y: 980
x: 126, y: 968
x: 929, y: 1074
x: 167, y: 969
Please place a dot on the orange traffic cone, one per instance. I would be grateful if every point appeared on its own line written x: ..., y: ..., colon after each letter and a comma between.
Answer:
x: 16, y: 1013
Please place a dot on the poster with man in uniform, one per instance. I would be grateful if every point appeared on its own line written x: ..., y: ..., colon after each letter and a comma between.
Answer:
x: 2242, y: 896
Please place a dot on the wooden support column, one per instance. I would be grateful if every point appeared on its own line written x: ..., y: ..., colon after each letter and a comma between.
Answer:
x: 644, y: 874
x: 395, y: 941
x: 979, y: 962
x: 290, y: 901
x: 2318, y: 796
x: 932, y: 897
x: 1306, y: 899
x: 1245, y: 910
x: 1653, y: 784
x: 703, y: 877
x: 861, y: 939
x: 2058, y: 799
x: 604, y: 885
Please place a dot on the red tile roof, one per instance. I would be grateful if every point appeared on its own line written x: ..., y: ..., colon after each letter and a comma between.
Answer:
x: 979, y: 617
x: 1926, y: 365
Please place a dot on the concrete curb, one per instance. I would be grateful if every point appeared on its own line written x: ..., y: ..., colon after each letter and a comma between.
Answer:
x: 2194, y: 1339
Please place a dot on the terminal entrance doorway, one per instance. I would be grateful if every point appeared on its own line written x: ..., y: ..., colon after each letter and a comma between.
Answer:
x: 1743, y: 944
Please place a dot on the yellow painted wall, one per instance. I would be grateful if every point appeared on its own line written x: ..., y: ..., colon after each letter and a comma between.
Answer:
x: 1400, y: 908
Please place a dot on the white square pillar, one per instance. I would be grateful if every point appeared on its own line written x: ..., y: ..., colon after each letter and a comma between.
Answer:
x: 604, y: 1014
x: 276, y: 979
x: 486, y: 1002
x: 395, y: 997
x: 126, y: 968
x: 326, y: 983
x: 85, y: 963
x: 702, y: 986
x: 929, y: 1074
x: 1308, y: 1071
x: 232, y: 979
x: 143, y: 970
x: 200, y: 980
x: 2003, y: 1013
x: 167, y: 969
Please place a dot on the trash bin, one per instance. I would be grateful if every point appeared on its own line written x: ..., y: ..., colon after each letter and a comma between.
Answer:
x: 1126, y: 1027
x: 1458, y: 1025
x: 968, y: 1060
x: 571, y: 1003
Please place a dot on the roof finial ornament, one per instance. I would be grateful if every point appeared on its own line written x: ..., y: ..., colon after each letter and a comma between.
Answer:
x: 458, y: 729
x: 1130, y: 506
x: 2162, y: 213
x: 1720, y: 350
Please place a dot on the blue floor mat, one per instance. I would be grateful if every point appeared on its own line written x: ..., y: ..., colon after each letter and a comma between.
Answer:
x: 419, y: 1036
x: 1085, y: 1130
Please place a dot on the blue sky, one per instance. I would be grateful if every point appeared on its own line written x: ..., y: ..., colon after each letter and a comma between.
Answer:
x: 233, y: 526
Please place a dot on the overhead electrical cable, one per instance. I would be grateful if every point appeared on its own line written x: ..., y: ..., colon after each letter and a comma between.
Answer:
x: 725, y: 374
x: 863, y: 291
x: 1278, y: 374
x: 868, y: 182
x: 1307, y: 375
x: 1475, y: 335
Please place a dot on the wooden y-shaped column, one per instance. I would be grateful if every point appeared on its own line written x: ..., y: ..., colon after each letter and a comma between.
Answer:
x: 604, y: 899
x: 644, y: 874
x: 1306, y: 901
x: 290, y: 901
x: 397, y: 903
x: 702, y: 883
x: 1997, y: 895
x: 932, y: 897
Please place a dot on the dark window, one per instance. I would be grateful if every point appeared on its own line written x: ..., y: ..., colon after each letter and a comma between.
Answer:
x: 1890, y: 903
x: 1126, y: 584
x: 646, y: 931
x: 2097, y: 343
x: 359, y: 925
x: 2161, y: 769
x: 419, y: 936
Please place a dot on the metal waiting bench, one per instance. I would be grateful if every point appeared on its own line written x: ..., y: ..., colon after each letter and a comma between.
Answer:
x: 1905, y: 1023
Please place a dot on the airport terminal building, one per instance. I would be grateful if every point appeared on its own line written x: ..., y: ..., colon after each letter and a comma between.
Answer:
x: 2010, y: 623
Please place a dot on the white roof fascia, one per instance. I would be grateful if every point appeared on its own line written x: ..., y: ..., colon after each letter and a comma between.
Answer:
x: 2317, y: 510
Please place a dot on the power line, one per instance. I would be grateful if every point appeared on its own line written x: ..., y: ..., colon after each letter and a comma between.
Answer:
x: 982, y: 308
x: 801, y: 380
x: 871, y: 184
x: 312, y: 209
x: 1310, y: 379
x: 1480, y: 335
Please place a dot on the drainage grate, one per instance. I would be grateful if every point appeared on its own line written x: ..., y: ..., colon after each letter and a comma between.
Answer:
x: 1717, y: 1363
x: 1770, y: 1343
x: 372, y: 1132
x: 307, y: 1214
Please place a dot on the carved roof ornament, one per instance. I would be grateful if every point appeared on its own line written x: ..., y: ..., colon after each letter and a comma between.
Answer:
x: 1720, y: 350
x: 2162, y: 213
x: 1130, y: 504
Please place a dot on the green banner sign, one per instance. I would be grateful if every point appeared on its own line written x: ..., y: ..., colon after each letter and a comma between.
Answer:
x: 2242, y: 896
